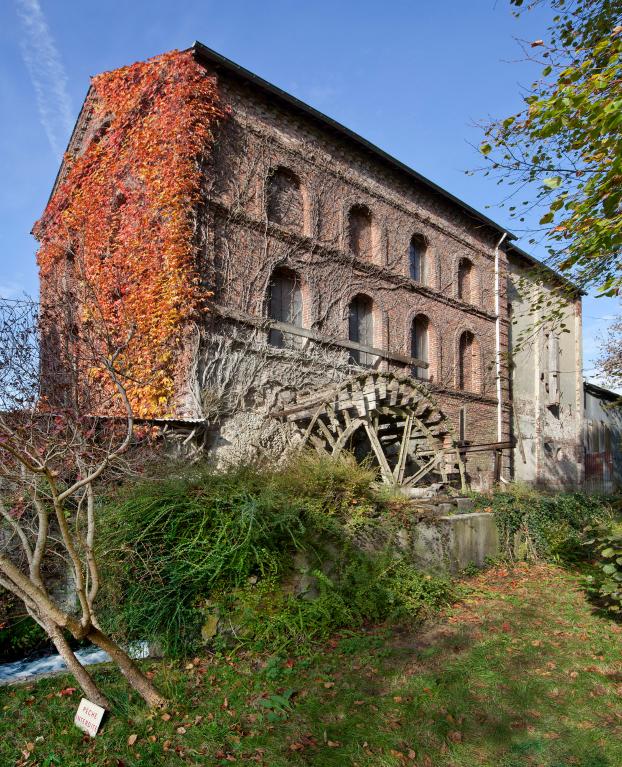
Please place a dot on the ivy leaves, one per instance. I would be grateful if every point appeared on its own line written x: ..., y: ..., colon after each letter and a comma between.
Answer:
x: 127, y: 208
x: 607, y: 585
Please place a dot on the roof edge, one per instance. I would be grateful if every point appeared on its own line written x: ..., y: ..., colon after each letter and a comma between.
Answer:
x: 217, y: 59
x: 513, y: 249
x: 601, y: 392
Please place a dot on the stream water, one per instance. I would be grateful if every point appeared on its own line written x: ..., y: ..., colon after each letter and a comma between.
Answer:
x: 22, y: 670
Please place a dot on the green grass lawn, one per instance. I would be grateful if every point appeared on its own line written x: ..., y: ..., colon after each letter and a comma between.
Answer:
x: 521, y: 672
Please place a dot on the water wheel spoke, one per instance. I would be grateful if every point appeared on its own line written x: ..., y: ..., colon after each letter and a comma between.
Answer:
x: 345, y: 435
x: 326, y: 433
x: 398, y: 472
x: 385, y: 469
x: 426, y: 469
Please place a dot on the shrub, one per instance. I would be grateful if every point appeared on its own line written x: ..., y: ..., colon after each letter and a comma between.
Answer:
x: 533, y: 525
x: 204, y: 542
x: 606, y: 584
x: 20, y: 636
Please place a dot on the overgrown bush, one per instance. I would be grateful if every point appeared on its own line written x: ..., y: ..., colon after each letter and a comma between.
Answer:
x: 231, y: 545
x: 606, y: 585
x: 21, y: 636
x: 533, y: 525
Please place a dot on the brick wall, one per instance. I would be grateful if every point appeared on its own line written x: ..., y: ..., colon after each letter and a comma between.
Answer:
x: 242, y: 247
x: 269, y: 148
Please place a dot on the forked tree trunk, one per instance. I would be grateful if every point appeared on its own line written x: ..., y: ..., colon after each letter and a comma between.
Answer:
x: 81, y: 675
x: 130, y: 670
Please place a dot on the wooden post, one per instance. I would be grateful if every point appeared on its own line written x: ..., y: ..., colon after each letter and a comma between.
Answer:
x: 498, y: 455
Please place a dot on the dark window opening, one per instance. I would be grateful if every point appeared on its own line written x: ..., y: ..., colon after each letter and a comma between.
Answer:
x: 468, y: 363
x: 462, y: 425
x: 465, y: 280
x: 360, y: 232
x: 284, y: 199
x: 419, y: 345
x: 417, y: 259
x: 361, y: 329
x: 285, y: 305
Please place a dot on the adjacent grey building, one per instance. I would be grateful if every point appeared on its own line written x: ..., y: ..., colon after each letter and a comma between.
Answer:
x: 602, y: 439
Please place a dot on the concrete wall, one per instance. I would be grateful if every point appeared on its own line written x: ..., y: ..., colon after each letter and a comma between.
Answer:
x: 547, y: 395
x: 454, y: 542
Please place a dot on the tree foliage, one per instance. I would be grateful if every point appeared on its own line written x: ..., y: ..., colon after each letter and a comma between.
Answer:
x: 610, y: 360
x: 565, y: 144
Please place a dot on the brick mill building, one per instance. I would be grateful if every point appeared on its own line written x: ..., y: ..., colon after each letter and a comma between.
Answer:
x: 354, y: 303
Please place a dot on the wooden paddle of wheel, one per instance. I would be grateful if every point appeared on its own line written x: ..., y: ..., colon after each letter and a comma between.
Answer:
x: 394, y: 417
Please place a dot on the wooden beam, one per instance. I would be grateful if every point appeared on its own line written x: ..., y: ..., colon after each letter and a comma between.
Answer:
x: 385, y: 469
x: 285, y: 327
x: 485, y: 446
x: 398, y: 472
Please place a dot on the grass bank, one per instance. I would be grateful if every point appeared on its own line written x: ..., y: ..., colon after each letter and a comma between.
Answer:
x: 521, y: 671
x: 274, y: 557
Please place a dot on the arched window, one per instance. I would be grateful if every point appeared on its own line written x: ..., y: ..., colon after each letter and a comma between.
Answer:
x: 284, y: 305
x: 420, y: 345
x: 465, y: 280
x: 417, y: 259
x: 360, y: 232
x: 469, y: 376
x: 284, y: 199
x: 361, y: 328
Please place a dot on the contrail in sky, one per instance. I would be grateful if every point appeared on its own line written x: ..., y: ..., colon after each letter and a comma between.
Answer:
x: 47, y: 74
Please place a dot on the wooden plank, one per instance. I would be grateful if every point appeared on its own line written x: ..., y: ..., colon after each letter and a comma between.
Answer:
x: 326, y: 432
x: 398, y: 472
x: 300, y: 414
x: 285, y: 327
x: 385, y: 469
x: 311, y: 425
x: 485, y: 446
x: 423, y: 471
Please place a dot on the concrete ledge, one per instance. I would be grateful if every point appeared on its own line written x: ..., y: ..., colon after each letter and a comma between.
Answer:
x: 451, y: 543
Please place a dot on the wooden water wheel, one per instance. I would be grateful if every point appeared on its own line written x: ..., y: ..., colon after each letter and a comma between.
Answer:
x: 395, y: 419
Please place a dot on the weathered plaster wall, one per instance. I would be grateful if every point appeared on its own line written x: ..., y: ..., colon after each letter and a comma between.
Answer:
x: 547, y: 426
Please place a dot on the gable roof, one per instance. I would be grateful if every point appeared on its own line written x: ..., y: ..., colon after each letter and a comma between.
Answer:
x: 601, y: 393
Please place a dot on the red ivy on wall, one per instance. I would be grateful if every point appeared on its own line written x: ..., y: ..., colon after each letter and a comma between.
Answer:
x: 127, y: 205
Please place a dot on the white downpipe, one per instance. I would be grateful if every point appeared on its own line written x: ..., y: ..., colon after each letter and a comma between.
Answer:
x: 498, y: 341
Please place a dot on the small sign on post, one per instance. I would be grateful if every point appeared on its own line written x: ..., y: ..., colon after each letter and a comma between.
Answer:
x: 88, y: 717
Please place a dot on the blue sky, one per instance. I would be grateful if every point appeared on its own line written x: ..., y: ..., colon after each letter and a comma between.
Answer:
x: 412, y: 76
